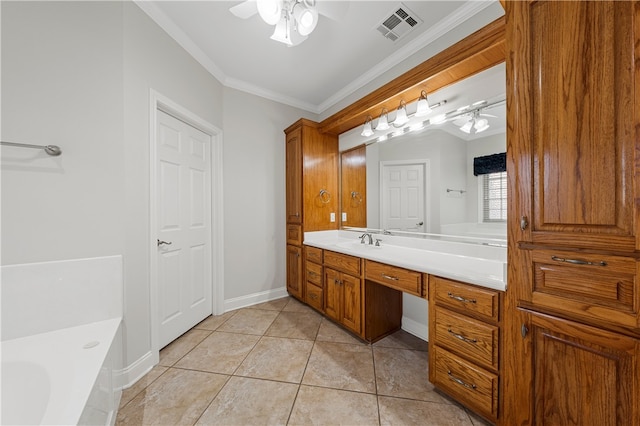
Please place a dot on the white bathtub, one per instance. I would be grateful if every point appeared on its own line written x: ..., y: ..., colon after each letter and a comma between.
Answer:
x: 62, y: 377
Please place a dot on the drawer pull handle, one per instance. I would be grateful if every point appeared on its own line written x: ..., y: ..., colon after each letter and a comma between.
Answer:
x: 390, y: 277
x: 459, y: 381
x: 578, y: 261
x: 313, y: 296
x: 313, y: 274
x: 461, y: 337
x: 460, y: 298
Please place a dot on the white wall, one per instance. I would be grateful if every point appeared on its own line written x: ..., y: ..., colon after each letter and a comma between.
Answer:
x: 254, y: 198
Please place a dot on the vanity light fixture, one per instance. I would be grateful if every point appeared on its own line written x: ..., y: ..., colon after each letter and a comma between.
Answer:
x: 475, y: 123
x: 401, y: 115
x: 423, y: 107
x: 367, y: 130
x: 383, y: 122
x: 481, y: 125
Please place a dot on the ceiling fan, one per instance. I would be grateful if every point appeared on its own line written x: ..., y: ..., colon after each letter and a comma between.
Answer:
x: 294, y: 20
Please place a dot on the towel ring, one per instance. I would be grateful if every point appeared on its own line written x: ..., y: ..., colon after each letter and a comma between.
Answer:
x: 356, y: 196
x: 325, y: 196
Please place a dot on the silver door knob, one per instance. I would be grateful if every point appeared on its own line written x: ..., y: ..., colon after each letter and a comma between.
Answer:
x: 163, y: 242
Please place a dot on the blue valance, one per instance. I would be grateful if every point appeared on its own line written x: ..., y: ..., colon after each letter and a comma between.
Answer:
x: 490, y: 164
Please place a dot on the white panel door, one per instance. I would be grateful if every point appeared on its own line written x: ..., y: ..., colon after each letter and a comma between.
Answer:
x: 184, y: 226
x: 403, y: 197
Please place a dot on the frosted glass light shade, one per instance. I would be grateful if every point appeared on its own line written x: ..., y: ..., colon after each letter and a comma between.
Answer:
x: 401, y: 116
x: 423, y: 107
x: 270, y: 10
x: 282, y: 32
x: 481, y: 125
x: 367, y: 130
x: 306, y: 19
x: 383, y: 123
x: 466, y: 127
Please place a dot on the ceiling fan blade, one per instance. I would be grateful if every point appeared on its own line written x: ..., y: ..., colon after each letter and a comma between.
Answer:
x: 335, y: 10
x: 489, y: 115
x: 245, y: 10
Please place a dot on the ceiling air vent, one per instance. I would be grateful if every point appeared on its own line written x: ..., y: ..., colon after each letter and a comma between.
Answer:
x: 398, y: 23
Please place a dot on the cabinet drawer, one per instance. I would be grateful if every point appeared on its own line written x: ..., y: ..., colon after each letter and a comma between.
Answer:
x: 391, y: 276
x: 470, y: 338
x: 313, y: 296
x: 314, y: 254
x: 475, y: 301
x: 314, y: 273
x: 602, y: 288
x: 342, y: 262
x: 470, y: 384
x: 294, y: 234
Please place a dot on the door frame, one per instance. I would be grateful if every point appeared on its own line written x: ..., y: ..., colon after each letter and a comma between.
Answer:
x: 165, y: 104
x: 426, y: 183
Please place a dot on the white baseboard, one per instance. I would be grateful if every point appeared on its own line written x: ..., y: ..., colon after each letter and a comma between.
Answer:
x: 417, y: 329
x: 126, y: 377
x: 253, y: 299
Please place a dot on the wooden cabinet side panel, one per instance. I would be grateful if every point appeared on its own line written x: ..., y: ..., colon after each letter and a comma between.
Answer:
x: 353, y: 168
x: 332, y: 294
x: 294, y: 176
x: 352, y: 302
x: 295, y: 273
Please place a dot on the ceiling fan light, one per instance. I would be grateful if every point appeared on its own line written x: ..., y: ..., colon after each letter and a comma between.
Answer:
x: 438, y: 119
x: 423, y: 107
x: 383, y: 123
x: 481, y: 125
x: 367, y: 130
x: 270, y: 10
x: 282, y: 33
x: 306, y: 18
x: 466, y: 127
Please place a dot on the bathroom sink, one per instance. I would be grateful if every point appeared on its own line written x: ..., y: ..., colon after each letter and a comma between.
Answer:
x: 357, y: 245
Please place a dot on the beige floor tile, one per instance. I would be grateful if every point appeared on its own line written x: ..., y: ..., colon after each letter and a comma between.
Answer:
x: 404, y: 373
x: 249, y: 321
x: 321, y: 406
x: 178, y: 397
x: 175, y: 350
x: 477, y: 420
x: 341, y: 366
x: 214, y: 321
x: 294, y: 305
x: 403, y: 340
x: 143, y: 382
x: 296, y: 325
x: 330, y: 332
x: 272, y: 305
x: 245, y: 401
x: 397, y: 411
x: 275, y: 358
x: 219, y: 353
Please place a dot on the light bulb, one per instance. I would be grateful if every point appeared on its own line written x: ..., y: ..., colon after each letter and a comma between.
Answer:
x: 270, y: 10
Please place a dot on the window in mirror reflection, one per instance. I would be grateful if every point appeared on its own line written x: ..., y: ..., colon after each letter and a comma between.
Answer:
x: 494, y: 197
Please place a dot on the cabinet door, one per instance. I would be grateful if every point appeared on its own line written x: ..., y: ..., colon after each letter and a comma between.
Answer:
x: 294, y: 271
x: 351, y: 287
x: 572, y: 121
x: 332, y: 294
x: 583, y: 375
x: 294, y: 176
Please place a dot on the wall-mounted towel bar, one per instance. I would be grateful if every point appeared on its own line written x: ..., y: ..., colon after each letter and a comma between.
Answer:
x: 53, y: 150
x: 462, y: 191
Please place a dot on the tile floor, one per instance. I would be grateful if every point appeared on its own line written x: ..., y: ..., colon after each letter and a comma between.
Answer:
x: 281, y: 362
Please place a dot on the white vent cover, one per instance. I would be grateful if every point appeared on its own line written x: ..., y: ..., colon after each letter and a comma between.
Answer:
x: 398, y: 23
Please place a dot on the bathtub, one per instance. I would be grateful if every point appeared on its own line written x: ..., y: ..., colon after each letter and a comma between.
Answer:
x: 61, y: 377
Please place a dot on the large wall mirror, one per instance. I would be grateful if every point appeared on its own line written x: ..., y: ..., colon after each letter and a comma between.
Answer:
x: 420, y: 179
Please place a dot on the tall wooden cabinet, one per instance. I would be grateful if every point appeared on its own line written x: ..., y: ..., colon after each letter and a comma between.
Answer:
x: 572, y: 323
x: 311, y: 192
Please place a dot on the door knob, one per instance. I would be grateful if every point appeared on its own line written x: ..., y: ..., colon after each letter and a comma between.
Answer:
x: 163, y: 242
x: 419, y: 223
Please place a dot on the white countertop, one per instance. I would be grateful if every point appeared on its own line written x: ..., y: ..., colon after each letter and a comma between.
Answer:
x: 479, y: 264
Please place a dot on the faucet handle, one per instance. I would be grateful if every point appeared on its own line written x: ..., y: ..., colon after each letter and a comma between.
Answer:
x: 378, y: 241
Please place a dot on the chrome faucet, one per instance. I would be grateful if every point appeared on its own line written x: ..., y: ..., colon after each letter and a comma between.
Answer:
x: 365, y: 235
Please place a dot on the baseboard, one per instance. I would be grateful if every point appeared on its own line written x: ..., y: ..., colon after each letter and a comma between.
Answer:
x: 132, y: 373
x: 253, y: 299
x: 417, y: 329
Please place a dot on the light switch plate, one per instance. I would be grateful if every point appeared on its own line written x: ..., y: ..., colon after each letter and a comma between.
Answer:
x: 344, y: 216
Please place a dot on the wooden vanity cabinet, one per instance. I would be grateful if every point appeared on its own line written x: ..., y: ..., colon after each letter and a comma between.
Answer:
x: 572, y: 309
x: 314, y: 284
x: 464, y: 344
x: 343, y: 290
x: 311, y: 192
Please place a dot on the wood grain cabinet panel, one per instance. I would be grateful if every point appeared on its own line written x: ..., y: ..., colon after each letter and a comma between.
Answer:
x: 313, y: 254
x: 471, y: 300
x: 343, y: 299
x: 294, y: 234
x: 295, y: 275
x: 314, y: 296
x: 342, y: 262
x: 314, y: 273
